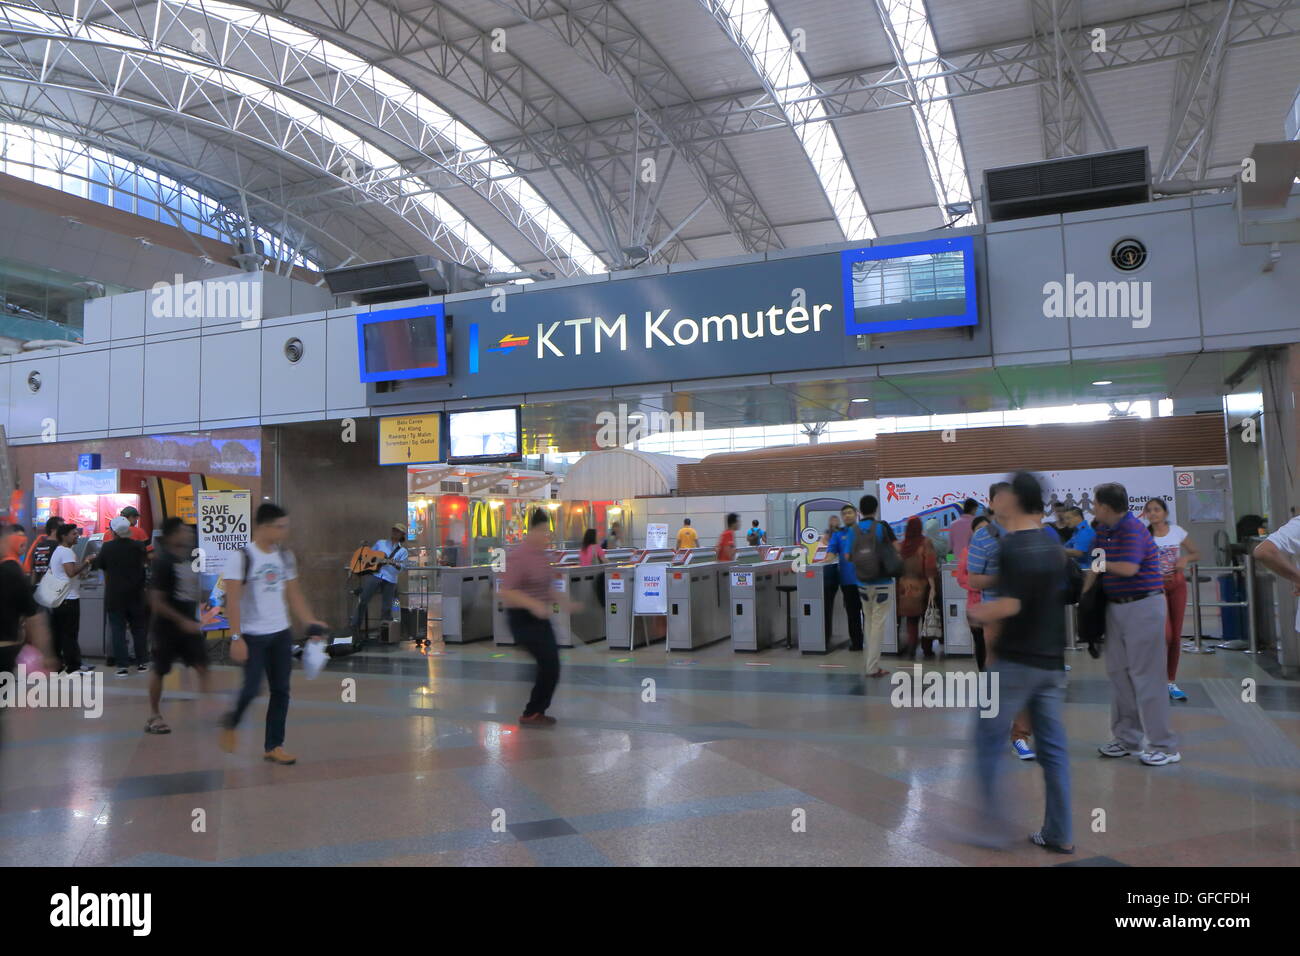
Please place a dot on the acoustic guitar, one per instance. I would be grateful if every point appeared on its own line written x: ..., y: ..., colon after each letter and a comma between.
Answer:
x: 367, y: 560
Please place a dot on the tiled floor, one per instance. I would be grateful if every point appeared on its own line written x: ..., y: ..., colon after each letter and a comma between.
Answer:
x: 797, y: 762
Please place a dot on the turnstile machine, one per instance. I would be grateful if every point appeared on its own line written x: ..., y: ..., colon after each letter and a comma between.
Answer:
x: 467, y: 604
x: 811, y: 610
x: 500, y: 622
x: 698, y: 604
x: 957, y: 638
x: 587, y: 623
x: 760, y: 614
x: 620, y: 597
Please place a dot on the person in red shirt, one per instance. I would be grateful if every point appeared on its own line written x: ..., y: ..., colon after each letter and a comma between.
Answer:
x: 137, y: 533
x: 727, y: 540
x: 526, y: 591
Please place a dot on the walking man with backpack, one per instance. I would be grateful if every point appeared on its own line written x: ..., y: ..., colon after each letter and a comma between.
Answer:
x: 875, y: 564
x: 261, y: 588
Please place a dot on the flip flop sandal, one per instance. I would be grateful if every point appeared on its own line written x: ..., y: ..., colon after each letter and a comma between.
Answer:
x: 1038, y: 840
x: 156, y: 725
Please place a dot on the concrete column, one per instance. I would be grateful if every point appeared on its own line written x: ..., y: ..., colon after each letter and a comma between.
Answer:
x: 1280, y: 378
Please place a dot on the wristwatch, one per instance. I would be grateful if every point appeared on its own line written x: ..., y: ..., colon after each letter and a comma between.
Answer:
x: 234, y: 637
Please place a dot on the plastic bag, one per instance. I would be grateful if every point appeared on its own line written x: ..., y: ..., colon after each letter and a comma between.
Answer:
x: 314, y: 658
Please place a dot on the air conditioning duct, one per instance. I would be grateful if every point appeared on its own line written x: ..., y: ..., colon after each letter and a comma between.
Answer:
x: 1114, y: 178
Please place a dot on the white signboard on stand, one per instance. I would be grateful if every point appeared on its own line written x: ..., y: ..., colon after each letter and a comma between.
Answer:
x: 941, y: 496
x: 656, y: 536
x: 651, y: 595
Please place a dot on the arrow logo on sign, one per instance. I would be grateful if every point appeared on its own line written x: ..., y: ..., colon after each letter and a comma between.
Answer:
x: 509, y: 343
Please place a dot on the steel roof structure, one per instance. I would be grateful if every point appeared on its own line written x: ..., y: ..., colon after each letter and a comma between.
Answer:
x: 576, y: 136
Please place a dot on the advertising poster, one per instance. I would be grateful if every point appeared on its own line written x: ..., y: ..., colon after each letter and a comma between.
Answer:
x: 941, y: 496
x: 224, y: 528
x: 656, y: 536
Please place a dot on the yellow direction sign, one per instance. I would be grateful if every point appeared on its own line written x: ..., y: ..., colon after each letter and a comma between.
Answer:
x: 410, y: 439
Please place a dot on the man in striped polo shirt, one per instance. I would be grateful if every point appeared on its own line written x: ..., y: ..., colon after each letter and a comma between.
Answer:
x: 1135, y: 627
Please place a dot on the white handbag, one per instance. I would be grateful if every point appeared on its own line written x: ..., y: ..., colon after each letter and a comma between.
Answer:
x: 51, y: 591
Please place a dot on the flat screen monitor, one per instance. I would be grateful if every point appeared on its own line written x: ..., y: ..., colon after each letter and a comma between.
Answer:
x: 909, y: 286
x: 402, y: 343
x: 487, y: 434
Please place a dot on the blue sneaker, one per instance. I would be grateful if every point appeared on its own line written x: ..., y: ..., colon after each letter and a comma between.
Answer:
x: 1021, y: 747
x: 1175, y: 693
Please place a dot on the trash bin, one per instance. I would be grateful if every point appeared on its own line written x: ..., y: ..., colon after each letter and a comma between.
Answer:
x: 1234, y: 618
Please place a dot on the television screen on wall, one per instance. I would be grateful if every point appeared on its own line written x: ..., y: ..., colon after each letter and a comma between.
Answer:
x: 402, y: 343
x: 913, y: 285
x: 482, y: 435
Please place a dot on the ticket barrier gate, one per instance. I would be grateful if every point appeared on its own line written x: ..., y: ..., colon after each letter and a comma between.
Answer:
x: 620, y: 596
x: 587, y: 623
x: 467, y: 603
x: 957, y: 637
x: 811, y: 611
x: 759, y: 614
x: 698, y: 604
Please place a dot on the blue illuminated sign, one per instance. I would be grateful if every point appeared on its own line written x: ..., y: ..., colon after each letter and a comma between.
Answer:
x: 910, y: 286
x: 402, y: 343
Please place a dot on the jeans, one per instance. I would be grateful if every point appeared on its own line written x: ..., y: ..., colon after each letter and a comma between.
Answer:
x: 271, y: 654
x: 1040, y: 693
x: 65, y: 629
x: 137, y: 618
x: 536, y: 637
x: 388, y: 593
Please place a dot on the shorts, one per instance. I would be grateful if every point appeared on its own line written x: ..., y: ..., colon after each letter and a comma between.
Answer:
x: 169, y: 646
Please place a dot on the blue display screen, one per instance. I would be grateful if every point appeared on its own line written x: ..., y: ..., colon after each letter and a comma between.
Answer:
x: 913, y: 285
x: 402, y: 343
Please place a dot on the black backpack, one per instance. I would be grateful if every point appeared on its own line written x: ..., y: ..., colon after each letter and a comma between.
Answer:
x: 873, y: 557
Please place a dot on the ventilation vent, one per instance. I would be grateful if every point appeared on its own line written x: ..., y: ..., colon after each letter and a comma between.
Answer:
x: 1067, y: 185
x: 293, y: 350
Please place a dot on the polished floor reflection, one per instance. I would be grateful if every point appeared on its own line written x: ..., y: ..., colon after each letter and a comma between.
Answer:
x: 411, y: 757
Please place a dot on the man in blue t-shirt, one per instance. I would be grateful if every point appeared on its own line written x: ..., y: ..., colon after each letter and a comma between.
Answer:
x: 841, y: 545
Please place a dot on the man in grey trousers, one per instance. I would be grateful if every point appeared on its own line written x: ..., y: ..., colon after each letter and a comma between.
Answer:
x: 1135, y: 632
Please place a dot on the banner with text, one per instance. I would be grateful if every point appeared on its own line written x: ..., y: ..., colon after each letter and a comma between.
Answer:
x: 941, y: 496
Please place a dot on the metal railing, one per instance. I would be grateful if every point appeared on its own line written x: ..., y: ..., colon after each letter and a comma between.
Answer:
x: 1194, y: 572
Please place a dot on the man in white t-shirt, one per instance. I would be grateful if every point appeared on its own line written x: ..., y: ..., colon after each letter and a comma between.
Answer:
x: 262, y: 587
x: 1279, y: 553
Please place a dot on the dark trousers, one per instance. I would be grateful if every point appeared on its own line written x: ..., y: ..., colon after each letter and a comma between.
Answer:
x: 65, y: 629
x: 388, y: 591
x: 272, y: 655
x: 977, y: 636
x: 137, y: 618
x: 852, y: 607
x: 536, y: 637
x: 830, y: 588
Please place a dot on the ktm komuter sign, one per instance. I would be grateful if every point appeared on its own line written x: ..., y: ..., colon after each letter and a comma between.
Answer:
x: 778, y: 315
x: 663, y: 330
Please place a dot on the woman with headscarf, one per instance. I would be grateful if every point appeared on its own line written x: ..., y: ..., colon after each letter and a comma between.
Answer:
x: 919, y: 585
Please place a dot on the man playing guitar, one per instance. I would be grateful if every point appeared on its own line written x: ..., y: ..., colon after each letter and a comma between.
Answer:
x: 383, y: 578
